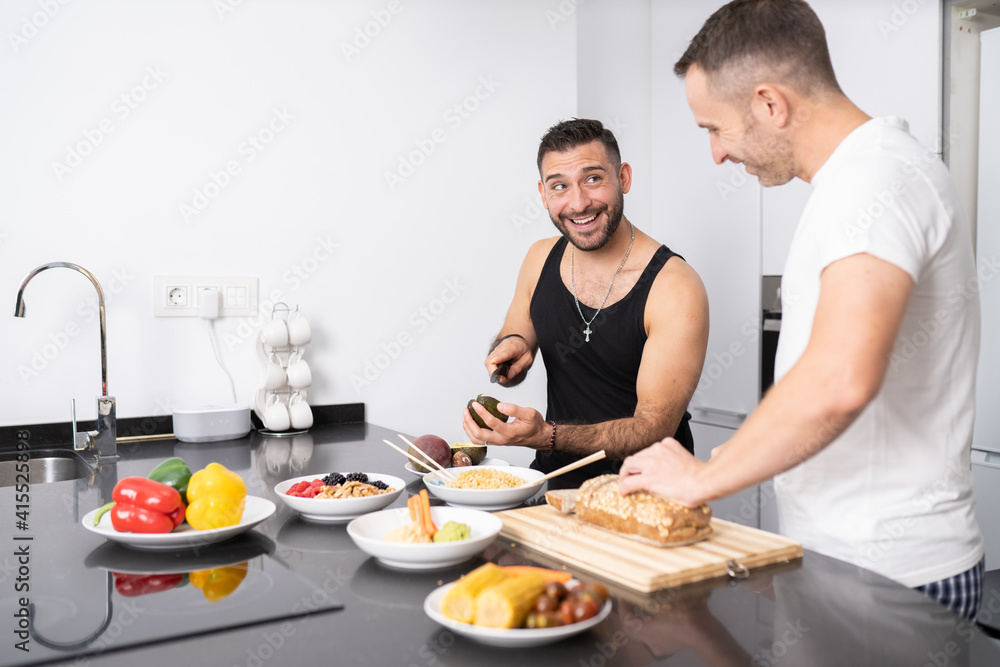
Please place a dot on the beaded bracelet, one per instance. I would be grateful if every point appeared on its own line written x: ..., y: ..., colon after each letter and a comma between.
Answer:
x: 552, y: 440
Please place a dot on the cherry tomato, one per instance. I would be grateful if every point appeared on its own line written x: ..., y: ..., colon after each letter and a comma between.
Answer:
x: 599, y: 590
x: 584, y: 608
x: 585, y: 594
x: 566, y: 612
x: 556, y: 590
x: 545, y: 603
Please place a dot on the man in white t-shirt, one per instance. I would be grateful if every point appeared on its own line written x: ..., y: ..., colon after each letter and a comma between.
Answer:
x: 869, y: 425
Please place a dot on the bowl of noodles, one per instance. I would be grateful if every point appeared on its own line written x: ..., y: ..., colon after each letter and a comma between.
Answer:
x: 484, y: 487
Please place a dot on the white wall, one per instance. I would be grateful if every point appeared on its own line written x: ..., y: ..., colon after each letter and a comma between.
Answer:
x: 888, y: 61
x: 613, y: 62
x: 464, y: 217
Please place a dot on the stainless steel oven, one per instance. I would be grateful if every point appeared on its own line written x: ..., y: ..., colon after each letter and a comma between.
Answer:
x: 770, y: 328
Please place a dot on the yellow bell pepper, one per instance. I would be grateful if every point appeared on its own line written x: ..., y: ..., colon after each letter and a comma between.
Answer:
x: 218, y: 583
x: 216, y: 497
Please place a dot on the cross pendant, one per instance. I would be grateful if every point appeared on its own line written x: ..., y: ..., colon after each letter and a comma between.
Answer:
x: 587, y: 332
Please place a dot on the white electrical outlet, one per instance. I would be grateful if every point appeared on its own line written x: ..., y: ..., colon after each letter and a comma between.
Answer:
x: 177, y: 296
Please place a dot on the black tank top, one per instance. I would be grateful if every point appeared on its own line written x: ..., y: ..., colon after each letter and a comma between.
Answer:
x: 591, y: 382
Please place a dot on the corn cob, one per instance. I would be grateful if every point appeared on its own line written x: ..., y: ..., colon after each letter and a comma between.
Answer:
x: 459, y: 603
x: 505, y: 605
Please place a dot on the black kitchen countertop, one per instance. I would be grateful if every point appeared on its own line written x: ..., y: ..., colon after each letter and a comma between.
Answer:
x: 310, y: 597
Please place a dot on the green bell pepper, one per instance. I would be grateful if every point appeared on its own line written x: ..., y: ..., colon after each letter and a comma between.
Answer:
x: 174, y: 473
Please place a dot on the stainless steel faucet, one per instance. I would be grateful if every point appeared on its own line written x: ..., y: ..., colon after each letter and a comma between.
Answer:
x: 102, y: 442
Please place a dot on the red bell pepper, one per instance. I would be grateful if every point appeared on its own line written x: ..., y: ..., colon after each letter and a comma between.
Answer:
x: 145, y: 506
x: 133, y: 585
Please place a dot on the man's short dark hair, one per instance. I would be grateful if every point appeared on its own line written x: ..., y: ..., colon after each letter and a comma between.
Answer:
x: 749, y: 39
x: 569, y: 134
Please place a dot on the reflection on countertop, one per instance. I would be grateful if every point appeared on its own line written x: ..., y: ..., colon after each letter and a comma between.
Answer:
x: 272, y: 582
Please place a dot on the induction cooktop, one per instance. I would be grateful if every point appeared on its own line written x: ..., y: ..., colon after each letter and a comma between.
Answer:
x: 152, y: 597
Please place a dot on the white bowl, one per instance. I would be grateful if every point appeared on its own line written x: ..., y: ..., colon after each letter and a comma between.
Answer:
x: 367, y: 532
x: 338, y: 510
x: 514, y: 637
x: 485, y: 499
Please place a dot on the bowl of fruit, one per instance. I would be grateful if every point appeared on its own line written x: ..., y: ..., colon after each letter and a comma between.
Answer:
x: 518, y: 606
x: 339, y: 497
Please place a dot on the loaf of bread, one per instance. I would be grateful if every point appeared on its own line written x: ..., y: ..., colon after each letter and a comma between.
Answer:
x: 640, y: 515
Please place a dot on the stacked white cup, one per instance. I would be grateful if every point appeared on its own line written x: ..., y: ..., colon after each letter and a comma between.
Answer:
x: 280, y: 402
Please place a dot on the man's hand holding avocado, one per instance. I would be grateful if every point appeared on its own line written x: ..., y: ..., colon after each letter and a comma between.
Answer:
x: 527, y: 429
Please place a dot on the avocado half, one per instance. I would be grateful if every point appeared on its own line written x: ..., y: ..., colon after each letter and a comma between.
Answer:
x: 476, y: 452
x: 490, y: 404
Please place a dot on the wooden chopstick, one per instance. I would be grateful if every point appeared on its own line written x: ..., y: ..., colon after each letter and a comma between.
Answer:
x: 414, y: 458
x: 596, y: 456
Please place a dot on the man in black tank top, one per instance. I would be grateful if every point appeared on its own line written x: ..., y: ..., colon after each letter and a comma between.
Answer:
x: 620, y: 320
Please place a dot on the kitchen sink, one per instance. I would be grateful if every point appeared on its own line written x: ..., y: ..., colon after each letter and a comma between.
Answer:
x: 44, y: 465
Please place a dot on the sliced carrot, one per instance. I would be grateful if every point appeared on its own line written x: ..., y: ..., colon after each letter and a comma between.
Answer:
x: 425, y: 505
x: 544, y: 573
x: 411, y: 504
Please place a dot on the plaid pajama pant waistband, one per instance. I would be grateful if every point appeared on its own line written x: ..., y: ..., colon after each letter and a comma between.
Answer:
x: 962, y: 593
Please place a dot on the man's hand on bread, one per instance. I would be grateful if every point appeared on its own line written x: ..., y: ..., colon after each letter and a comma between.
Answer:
x: 666, y: 469
x: 527, y: 429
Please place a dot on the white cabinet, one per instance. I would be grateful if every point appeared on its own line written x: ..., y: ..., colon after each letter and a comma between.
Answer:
x: 743, y: 507
x: 987, y: 430
x: 986, y: 485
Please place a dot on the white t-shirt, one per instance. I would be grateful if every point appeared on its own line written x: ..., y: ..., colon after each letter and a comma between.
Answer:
x: 893, y: 493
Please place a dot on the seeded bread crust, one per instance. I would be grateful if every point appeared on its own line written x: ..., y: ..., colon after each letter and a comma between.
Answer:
x: 640, y: 515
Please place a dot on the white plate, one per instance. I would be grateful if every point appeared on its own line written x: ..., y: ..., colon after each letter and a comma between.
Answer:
x: 184, y: 536
x: 338, y: 510
x: 488, y: 461
x: 512, y: 638
x: 485, y: 499
x: 367, y: 532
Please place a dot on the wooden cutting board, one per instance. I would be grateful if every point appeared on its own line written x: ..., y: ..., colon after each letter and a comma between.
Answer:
x: 640, y: 566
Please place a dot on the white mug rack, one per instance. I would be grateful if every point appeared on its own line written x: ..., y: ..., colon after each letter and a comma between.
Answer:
x: 281, y: 341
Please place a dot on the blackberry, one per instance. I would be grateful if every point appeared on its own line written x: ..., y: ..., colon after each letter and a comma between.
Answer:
x: 334, y: 479
x: 358, y: 477
x: 380, y: 485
